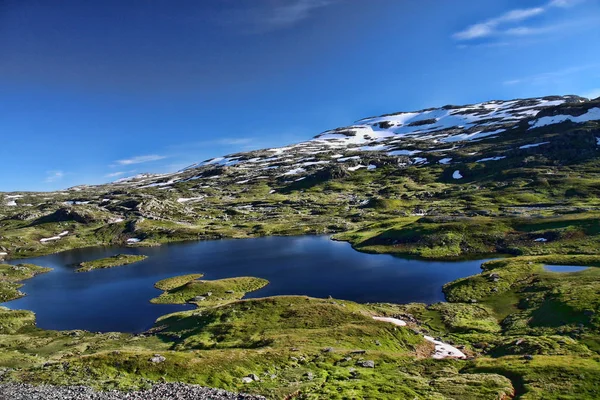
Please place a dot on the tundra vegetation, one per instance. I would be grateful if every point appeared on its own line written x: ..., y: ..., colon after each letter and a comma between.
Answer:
x: 110, y: 262
x: 530, y: 194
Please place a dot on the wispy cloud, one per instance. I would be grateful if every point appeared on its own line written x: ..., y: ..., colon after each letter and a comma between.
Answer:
x: 233, y: 141
x: 291, y: 12
x: 53, y: 176
x: 141, y: 159
x: 490, y: 27
x: 504, y: 25
x: 550, y: 77
x: 115, y: 174
x: 266, y: 16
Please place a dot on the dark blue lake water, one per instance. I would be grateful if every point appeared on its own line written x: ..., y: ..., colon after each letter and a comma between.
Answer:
x: 117, y: 299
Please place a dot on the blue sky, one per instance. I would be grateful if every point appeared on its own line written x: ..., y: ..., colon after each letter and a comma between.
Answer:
x: 94, y: 91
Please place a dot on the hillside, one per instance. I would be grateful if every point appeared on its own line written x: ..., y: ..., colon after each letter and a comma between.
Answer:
x: 442, y: 182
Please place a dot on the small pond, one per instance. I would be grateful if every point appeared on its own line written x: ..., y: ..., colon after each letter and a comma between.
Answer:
x: 564, y: 268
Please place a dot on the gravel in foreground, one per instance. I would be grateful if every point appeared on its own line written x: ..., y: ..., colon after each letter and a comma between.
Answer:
x: 177, y: 391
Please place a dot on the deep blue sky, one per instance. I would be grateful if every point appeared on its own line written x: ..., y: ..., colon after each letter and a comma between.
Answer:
x: 91, y: 91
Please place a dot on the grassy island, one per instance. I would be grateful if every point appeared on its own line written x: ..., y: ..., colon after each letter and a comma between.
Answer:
x: 110, y: 262
x: 188, y: 289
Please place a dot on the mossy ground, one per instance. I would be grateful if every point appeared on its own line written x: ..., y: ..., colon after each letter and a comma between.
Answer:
x: 12, y: 275
x: 308, y: 348
x: 188, y: 289
x: 110, y: 262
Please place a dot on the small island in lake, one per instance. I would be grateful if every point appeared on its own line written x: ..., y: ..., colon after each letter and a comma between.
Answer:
x: 188, y: 289
x: 110, y: 262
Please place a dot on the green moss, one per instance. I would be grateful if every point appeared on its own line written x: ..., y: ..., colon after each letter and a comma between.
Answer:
x: 11, y: 275
x: 110, y: 262
x: 176, y: 281
x: 188, y: 289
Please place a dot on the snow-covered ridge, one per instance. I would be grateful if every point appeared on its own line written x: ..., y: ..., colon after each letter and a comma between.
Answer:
x: 409, y: 138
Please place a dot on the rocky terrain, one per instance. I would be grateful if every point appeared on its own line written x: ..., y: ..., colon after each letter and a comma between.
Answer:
x: 158, y: 392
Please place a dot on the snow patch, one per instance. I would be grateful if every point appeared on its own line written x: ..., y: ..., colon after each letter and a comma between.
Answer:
x: 445, y: 161
x: 394, y: 321
x: 491, y: 159
x: 296, y: 171
x: 53, y: 238
x: 591, y: 115
x: 444, y: 350
x: 355, y: 168
x: 529, y: 146
x: 457, y: 175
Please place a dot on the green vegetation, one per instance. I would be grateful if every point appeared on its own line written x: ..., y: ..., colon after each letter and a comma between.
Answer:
x: 187, y: 289
x: 529, y: 333
x: 110, y: 262
x: 11, y: 275
x: 176, y: 281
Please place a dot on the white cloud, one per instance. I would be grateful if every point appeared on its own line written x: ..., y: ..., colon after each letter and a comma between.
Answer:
x: 53, y: 176
x: 141, y: 159
x: 115, y: 174
x: 501, y: 25
x: 489, y: 27
x: 270, y: 15
x: 564, y: 3
x: 291, y: 12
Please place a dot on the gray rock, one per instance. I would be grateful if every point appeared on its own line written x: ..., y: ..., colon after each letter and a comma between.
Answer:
x: 179, y: 391
x: 157, y: 359
x: 367, y: 364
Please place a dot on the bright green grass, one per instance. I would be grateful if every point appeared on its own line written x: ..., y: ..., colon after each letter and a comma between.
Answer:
x: 110, y: 262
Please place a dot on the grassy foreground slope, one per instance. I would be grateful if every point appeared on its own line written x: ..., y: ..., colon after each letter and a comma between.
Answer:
x: 527, y: 333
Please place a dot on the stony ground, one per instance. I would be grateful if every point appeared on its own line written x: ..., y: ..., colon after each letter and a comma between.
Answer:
x: 159, y: 392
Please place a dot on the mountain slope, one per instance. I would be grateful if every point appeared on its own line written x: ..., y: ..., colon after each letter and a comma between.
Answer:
x: 502, y: 159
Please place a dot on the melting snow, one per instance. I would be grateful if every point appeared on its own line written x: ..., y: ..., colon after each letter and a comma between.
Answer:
x: 188, y: 199
x: 457, y: 175
x: 443, y: 350
x: 394, y: 321
x: 356, y: 168
x: 445, y: 161
x: 296, y: 171
x: 528, y: 146
x: 491, y: 159
x: 403, y: 152
x: 53, y: 238
x: 133, y: 240
x: 591, y: 115
x: 344, y: 159
x: 471, y: 136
